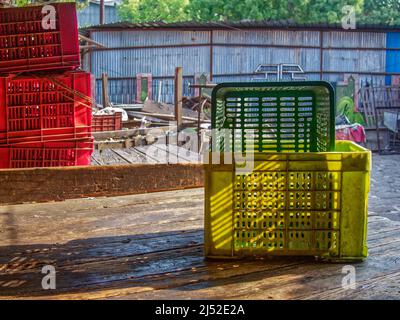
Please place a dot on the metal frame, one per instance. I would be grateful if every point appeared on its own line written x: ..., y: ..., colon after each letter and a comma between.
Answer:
x: 390, y: 133
x: 375, y: 101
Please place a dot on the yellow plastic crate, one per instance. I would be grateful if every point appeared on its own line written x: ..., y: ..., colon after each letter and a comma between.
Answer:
x: 290, y: 204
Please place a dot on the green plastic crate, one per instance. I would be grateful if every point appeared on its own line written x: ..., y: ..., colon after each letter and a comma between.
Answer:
x: 273, y: 116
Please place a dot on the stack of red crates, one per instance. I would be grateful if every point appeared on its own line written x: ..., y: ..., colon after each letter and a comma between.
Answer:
x: 45, y: 102
x: 112, y: 122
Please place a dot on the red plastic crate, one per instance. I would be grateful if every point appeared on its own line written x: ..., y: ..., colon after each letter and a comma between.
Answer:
x: 26, y: 46
x: 107, y: 122
x: 45, y: 108
x: 47, y: 154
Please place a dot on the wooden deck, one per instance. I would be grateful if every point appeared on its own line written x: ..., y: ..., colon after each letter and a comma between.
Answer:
x: 155, y: 153
x: 150, y: 247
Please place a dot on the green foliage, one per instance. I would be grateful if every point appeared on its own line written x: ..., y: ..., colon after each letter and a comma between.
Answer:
x: 80, y: 4
x: 381, y: 12
x: 20, y: 3
x: 150, y: 10
x: 302, y: 11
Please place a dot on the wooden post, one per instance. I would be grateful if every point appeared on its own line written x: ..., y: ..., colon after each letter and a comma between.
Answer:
x: 321, y: 54
x: 159, y: 91
x: 102, y: 13
x: 178, y: 96
x: 106, y: 99
x: 376, y: 117
x: 211, y: 55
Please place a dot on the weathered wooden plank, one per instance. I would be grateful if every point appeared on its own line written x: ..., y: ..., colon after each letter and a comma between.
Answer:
x: 97, y: 249
x: 150, y: 246
x: 179, y: 154
x: 154, y: 272
x: 304, y: 281
x: 90, y: 204
x: 130, y: 155
x: 279, y: 284
x: 128, y: 218
x: 107, y: 157
x: 49, y: 184
x: 151, y: 157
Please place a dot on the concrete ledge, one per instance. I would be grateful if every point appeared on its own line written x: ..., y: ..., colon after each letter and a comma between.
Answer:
x: 57, y: 184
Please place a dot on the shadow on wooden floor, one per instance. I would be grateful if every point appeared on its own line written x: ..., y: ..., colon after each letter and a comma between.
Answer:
x: 99, y: 267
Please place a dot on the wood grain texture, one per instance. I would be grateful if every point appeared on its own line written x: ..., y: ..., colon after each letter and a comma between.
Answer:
x: 150, y: 246
x: 55, y: 184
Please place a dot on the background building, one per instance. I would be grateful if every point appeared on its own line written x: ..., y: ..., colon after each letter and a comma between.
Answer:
x: 232, y: 52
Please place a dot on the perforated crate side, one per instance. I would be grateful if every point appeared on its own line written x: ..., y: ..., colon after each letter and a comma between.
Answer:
x: 273, y: 116
x: 290, y: 204
x: 102, y: 123
x: 49, y: 154
x: 40, y: 107
x: 25, y: 45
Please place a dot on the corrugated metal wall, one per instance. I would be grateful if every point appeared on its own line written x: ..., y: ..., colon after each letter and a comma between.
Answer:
x: 124, y: 90
x: 392, y: 57
x: 235, y: 56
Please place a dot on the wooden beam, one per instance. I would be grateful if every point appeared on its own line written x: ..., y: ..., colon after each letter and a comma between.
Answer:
x: 321, y: 54
x: 211, y: 55
x: 106, y: 99
x: 96, y: 181
x: 178, y: 95
x: 91, y: 41
x: 84, y: 47
x: 167, y: 116
x: 102, y: 12
x: 159, y: 91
